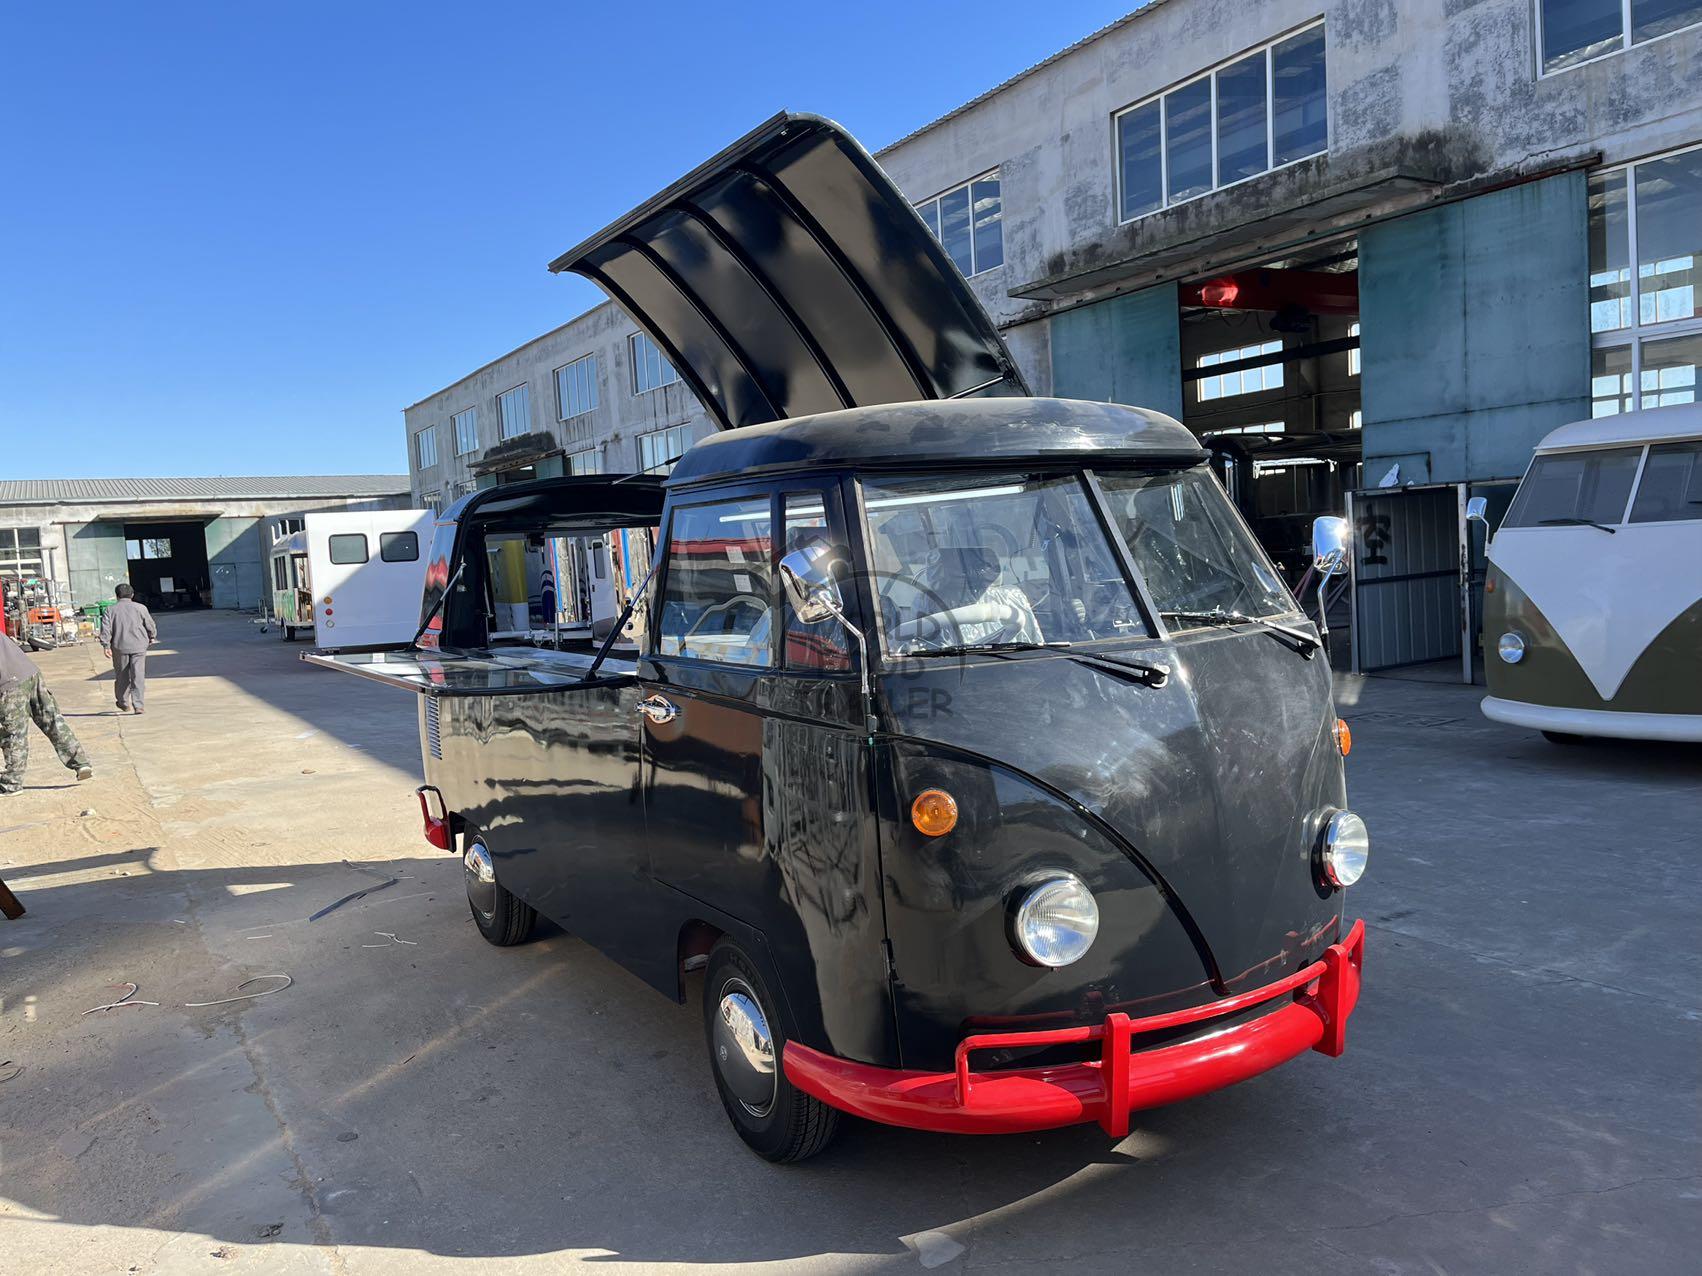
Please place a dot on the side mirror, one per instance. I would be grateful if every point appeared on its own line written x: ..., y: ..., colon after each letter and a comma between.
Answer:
x: 807, y: 576
x: 1477, y: 510
x: 1329, y: 545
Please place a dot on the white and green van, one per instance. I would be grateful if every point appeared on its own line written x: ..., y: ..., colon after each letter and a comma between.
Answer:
x: 1593, y: 599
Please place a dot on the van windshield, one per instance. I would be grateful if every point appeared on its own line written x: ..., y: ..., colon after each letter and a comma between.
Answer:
x: 1575, y: 487
x: 983, y: 561
x: 1193, y: 549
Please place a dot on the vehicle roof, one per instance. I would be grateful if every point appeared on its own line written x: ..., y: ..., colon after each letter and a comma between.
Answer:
x: 1651, y: 425
x: 294, y: 543
x: 958, y: 432
x: 589, y: 501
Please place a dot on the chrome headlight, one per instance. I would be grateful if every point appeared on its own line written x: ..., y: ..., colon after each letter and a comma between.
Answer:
x: 1511, y: 647
x: 1055, y: 921
x: 1345, y: 848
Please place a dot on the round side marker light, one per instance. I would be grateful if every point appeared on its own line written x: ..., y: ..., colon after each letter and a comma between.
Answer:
x: 934, y: 812
x: 1344, y: 738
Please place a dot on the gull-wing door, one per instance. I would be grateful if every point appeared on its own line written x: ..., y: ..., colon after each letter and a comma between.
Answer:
x: 789, y: 275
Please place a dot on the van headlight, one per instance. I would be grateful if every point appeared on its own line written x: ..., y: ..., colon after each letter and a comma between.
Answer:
x: 1511, y: 647
x: 1055, y: 921
x: 1344, y: 849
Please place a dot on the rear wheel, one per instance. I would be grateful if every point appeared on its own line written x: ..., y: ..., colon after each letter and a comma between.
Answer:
x: 501, y: 918
x: 746, y: 1044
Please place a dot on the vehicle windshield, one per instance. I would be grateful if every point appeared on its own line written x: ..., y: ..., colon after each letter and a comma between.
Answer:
x: 986, y: 561
x: 1575, y: 487
x: 1192, y: 548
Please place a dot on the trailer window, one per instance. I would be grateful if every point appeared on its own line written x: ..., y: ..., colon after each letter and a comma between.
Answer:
x: 1671, y: 488
x: 717, y: 598
x: 399, y: 547
x: 1575, y: 487
x: 348, y: 547
x: 1193, y: 549
x: 278, y: 580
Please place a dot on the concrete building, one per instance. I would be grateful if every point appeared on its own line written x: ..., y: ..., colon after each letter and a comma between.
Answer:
x: 594, y: 395
x: 1370, y: 251
x: 182, y: 542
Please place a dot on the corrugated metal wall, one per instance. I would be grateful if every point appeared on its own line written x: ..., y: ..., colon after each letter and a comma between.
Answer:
x: 1125, y: 350
x: 95, y: 557
x: 1407, y: 582
x: 234, y: 554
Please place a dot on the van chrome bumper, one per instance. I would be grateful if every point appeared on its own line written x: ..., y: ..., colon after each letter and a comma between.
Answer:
x: 1612, y: 723
x: 1119, y: 1082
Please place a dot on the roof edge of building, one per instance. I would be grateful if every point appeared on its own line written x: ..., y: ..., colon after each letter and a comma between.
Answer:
x: 1116, y: 24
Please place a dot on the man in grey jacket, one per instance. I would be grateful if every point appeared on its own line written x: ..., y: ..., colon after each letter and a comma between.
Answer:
x: 23, y: 696
x: 126, y: 631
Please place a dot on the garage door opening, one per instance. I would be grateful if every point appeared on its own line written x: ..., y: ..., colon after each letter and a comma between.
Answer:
x: 168, y: 564
x: 1270, y: 382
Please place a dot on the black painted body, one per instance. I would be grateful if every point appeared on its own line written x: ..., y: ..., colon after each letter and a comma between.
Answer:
x: 766, y: 810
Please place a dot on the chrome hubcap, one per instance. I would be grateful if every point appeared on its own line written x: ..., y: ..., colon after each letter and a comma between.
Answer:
x: 481, y: 879
x: 744, y: 1050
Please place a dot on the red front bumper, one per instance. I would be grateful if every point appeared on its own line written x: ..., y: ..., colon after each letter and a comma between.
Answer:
x: 1120, y: 1081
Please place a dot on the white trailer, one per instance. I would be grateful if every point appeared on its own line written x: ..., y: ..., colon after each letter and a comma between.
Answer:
x: 354, y: 579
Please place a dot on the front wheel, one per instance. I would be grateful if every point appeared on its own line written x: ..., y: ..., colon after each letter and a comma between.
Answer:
x: 501, y: 918
x: 746, y: 1044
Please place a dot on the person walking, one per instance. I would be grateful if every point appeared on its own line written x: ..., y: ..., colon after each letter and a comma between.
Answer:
x: 126, y: 631
x: 24, y: 696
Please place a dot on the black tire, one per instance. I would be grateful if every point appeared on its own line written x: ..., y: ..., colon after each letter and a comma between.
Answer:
x: 286, y: 632
x: 507, y: 921
x: 1564, y: 737
x: 792, y: 1125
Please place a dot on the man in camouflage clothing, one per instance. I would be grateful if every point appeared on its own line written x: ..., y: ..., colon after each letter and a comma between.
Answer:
x: 23, y: 696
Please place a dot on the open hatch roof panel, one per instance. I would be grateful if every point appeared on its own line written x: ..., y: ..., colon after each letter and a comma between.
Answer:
x: 788, y: 276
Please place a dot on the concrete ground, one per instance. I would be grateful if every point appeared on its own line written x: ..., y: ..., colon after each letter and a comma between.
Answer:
x: 1520, y: 1091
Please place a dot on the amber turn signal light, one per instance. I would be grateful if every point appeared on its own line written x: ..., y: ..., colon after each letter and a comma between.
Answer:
x: 1344, y: 738
x: 934, y: 812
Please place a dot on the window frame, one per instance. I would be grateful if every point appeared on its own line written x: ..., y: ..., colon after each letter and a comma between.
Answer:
x: 562, y: 414
x: 968, y: 187
x: 638, y: 446
x: 502, y: 433
x: 1267, y: 48
x: 386, y: 539
x: 632, y: 340
x: 1635, y: 335
x: 727, y: 495
x: 1626, y: 43
x: 420, y: 436
x: 455, y: 419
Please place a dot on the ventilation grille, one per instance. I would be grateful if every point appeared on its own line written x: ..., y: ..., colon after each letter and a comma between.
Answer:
x: 434, y: 737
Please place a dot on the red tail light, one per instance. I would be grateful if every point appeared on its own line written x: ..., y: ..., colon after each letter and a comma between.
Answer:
x: 436, y: 823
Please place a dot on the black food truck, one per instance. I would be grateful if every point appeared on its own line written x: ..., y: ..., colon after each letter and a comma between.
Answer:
x: 971, y: 747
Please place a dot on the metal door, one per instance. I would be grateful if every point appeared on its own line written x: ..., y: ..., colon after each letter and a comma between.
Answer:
x: 1410, y: 583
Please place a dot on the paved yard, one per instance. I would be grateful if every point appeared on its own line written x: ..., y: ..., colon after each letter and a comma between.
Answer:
x: 1519, y: 1093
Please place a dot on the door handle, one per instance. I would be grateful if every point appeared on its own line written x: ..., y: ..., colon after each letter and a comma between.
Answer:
x: 658, y: 710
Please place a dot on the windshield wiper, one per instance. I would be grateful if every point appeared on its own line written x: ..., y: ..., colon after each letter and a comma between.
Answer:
x: 1573, y: 521
x: 990, y: 648
x: 1304, y: 643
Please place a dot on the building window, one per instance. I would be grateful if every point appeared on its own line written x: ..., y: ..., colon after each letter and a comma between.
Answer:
x: 466, y: 427
x: 1570, y: 32
x: 1645, y: 323
x: 1259, y: 111
x: 1228, y: 384
x: 650, y: 367
x: 576, y: 387
x: 658, y: 450
x: 148, y: 549
x: 425, y: 447
x: 969, y: 220
x: 514, y: 411
x: 1264, y: 427
x: 590, y: 461
x: 20, y: 552
x: 285, y: 527
x: 1353, y: 354
x: 432, y: 501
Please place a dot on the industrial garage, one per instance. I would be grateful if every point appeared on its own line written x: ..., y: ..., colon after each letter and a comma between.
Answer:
x: 183, y: 543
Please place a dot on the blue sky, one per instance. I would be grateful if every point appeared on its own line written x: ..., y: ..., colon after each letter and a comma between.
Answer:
x: 240, y: 238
